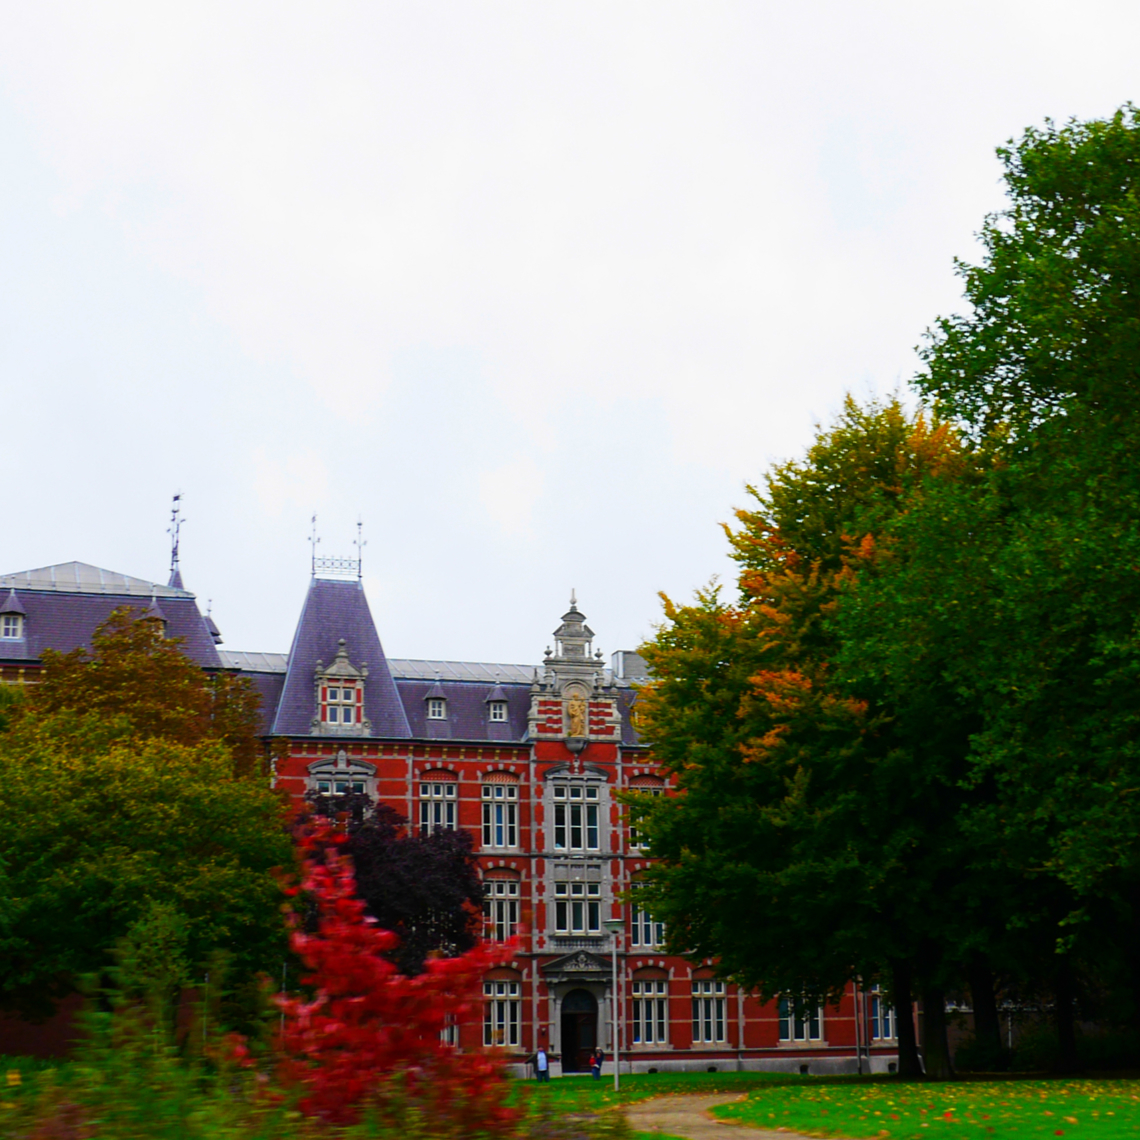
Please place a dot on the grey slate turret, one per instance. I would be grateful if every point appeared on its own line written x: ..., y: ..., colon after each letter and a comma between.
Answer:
x: 337, y: 611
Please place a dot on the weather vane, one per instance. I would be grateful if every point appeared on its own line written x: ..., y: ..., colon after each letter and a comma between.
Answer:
x: 360, y: 544
x: 313, y: 540
x: 176, y: 521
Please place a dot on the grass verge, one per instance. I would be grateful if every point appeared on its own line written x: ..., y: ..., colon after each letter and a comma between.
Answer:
x: 967, y: 1110
x: 584, y: 1094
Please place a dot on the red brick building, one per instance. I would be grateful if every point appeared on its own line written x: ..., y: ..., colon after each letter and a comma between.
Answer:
x: 529, y: 759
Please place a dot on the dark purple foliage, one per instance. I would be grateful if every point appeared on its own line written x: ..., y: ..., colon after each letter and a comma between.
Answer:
x: 424, y: 888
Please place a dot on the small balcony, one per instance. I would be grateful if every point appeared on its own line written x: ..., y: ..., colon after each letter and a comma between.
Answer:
x: 564, y: 943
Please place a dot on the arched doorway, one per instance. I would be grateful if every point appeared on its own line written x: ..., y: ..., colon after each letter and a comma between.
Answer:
x: 579, y: 1030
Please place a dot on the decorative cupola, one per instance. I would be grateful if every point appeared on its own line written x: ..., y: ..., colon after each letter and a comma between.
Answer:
x: 13, y: 616
x: 575, y: 701
x: 339, y: 691
x: 573, y: 637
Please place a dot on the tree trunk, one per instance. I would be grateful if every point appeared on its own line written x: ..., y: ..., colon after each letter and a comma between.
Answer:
x: 1064, y: 1009
x: 935, y: 1049
x: 903, y: 998
x: 987, y: 1027
x: 1135, y: 960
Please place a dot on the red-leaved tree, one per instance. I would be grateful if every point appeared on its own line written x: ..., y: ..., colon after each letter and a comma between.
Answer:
x: 368, y: 1024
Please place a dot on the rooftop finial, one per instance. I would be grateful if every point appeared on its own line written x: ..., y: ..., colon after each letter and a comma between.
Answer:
x: 361, y: 543
x: 313, y: 540
x: 173, y: 530
x: 573, y: 598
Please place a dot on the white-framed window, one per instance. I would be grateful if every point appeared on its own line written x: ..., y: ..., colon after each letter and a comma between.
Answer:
x: 497, y: 711
x: 643, y: 788
x: 644, y: 930
x: 500, y: 908
x: 449, y: 1034
x: 708, y: 1010
x: 437, y: 708
x: 576, y: 818
x: 883, y: 1026
x: 12, y: 627
x: 340, y: 786
x: 438, y: 806
x: 578, y: 908
x: 500, y: 815
x: 501, y: 1001
x: 341, y: 702
x: 650, y: 1012
x: 799, y: 1022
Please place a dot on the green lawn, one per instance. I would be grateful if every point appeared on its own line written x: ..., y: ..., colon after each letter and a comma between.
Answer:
x: 968, y: 1110
x: 585, y: 1094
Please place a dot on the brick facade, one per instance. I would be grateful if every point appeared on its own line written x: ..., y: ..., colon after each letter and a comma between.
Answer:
x: 529, y: 760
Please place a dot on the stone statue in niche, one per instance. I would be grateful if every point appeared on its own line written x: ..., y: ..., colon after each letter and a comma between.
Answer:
x: 576, y: 716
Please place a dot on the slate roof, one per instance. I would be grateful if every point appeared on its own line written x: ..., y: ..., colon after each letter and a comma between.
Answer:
x: 461, y: 671
x: 83, y: 578
x: 467, y: 686
x: 467, y: 712
x: 65, y: 604
x: 254, y: 662
x: 334, y: 610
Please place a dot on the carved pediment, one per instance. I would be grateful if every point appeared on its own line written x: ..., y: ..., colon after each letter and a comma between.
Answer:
x: 577, y: 963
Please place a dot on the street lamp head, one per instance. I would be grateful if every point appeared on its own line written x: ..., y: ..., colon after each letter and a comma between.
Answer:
x: 614, y: 925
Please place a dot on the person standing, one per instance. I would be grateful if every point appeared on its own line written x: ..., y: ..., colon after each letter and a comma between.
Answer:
x: 596, y: 1059
x: 541, y: 1065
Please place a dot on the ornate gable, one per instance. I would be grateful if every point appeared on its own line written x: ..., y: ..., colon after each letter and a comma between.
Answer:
x: 581, y: 965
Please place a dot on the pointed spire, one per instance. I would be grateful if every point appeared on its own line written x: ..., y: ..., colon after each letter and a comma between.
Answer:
x: 211, y: 627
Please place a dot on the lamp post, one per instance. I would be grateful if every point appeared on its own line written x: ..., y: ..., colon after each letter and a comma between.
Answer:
x: 614, y: 926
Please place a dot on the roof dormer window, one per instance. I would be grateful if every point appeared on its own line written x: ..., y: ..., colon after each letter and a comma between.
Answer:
x: 12, y: 627
x: 437, y: 708
x: 342, y: 703
x: 340, y: 697
x: 497, y: 711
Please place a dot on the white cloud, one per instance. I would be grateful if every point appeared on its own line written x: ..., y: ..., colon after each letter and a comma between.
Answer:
x: 509, y: 494
x: 641, y: 247
x: 290, y: 483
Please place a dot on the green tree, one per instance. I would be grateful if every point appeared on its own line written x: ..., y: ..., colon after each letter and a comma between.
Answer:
x: 809, y: 837
x: 1046, y: 363
x: 128, y: 788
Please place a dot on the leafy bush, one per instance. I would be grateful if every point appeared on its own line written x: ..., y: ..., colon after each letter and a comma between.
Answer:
x: 360, y: 1054
x: 369, y: 1022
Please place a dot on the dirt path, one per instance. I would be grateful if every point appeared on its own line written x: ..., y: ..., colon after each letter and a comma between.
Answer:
x: 688, y: 1116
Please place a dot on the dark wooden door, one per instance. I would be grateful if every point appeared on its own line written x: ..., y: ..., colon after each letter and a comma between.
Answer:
x: 579, y: 1030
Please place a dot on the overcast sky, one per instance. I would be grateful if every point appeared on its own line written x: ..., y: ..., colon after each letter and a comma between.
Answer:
x: 532, y: 288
